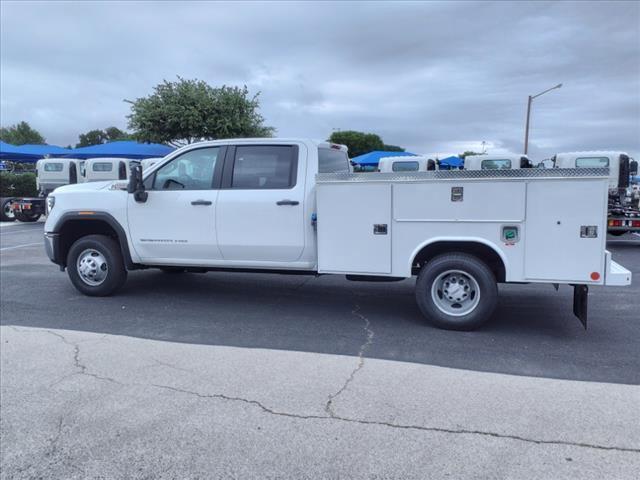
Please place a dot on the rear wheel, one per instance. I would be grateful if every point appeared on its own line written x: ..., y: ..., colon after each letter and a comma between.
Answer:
x: 27, y: 217
x: 95, y: 265
x: 6, y: 214
x: 456, y: 291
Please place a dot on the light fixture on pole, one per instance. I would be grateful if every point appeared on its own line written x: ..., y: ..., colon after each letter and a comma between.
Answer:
x: 526, y: 129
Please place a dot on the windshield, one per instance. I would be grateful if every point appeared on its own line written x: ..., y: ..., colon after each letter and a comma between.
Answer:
x: 331, y: 160
x: 405, y: 166
x: 495, y: 164
x: 592, y: 162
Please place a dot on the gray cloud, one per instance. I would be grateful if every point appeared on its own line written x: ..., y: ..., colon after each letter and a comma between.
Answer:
x: 432, y: 77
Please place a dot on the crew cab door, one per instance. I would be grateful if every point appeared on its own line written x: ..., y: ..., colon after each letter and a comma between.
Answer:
x: 176, y: 225
x: 260, y: 209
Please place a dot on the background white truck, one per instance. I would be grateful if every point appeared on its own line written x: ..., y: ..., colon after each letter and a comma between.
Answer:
x: 624, y: 200
x: 291, y: 206
x: 52, y: 173
x: 509, y: 161
x: 406, y: 164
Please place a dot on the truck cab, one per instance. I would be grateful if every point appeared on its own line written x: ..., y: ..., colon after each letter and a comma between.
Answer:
x: 497, y: 162
x: 100, y: 169
x: 52, y: 173
x: 406, y: 164
x: 620, y: 165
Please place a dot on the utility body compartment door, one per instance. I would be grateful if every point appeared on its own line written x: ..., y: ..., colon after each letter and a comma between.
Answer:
x: 354, y: 237
x: 558, y: 248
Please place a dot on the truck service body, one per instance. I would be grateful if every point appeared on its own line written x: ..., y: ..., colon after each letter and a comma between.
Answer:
x: 292, y: 206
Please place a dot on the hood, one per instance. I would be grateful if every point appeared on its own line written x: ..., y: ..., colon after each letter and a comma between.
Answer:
x: 84, y: 187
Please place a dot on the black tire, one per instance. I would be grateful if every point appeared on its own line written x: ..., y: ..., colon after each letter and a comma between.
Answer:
x: 27, y: 217
x: 116, y: 273
x: 617, y: 233
x: 6, y: 215
x: 471, y: 266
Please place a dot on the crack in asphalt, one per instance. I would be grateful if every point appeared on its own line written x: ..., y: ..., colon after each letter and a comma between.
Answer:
x: 421, y: 428
x: 53, y: 442
x: 82, y: 368
x: 363, y: 349
x: 331, y: 416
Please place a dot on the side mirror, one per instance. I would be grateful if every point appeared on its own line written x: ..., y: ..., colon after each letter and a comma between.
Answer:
x: 633, y: 167
x: 136, y: 185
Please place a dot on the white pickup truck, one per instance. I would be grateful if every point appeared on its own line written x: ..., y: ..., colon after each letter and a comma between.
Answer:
x: 291, y: 206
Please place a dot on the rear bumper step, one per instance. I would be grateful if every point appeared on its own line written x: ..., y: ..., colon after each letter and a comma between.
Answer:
x: 616, y: 274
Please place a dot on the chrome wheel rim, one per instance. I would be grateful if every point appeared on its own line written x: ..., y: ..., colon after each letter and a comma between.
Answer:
x: 7, y: 211
x: 455, y: 293
x: 92, y: 267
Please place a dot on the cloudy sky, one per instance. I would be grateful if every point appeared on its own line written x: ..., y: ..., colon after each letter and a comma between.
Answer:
x: 431, y: 77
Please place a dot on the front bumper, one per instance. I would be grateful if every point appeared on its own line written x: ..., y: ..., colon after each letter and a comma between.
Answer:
x: 52, y: 247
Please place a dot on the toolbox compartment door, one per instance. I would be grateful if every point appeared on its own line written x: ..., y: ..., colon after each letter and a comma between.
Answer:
x: 557, y: 249
x: 354, y: 228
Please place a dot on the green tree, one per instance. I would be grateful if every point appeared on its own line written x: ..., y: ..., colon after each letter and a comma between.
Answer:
x: 187, y: 111
x: 393, y: 148
x: 96, y: 137
x: 113, y: 134
x: 358, y: 143
x: 21, y: 134
x: 92, y: 137
x: 468, y: 153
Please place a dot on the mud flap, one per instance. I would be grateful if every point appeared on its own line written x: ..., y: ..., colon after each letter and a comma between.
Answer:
x: 580, y: 300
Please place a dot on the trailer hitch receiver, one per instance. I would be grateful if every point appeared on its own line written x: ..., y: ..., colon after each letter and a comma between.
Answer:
x: 580, y: 300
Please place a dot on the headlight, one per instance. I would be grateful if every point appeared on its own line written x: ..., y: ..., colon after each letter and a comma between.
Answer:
x: 51, y: 201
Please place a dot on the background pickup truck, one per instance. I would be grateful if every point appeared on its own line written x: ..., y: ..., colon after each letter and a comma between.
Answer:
x: 292, y: 206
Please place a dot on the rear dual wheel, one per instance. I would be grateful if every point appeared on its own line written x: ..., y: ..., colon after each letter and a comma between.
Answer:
x: 27, y: 217
x: 456, y: 291
x: 6, y: 214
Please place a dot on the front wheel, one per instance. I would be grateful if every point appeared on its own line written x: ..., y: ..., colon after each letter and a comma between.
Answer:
x: 456, y: 291
x: 95, y: 265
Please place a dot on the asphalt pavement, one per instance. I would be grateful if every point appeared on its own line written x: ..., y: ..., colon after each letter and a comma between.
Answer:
x: 225, y: 375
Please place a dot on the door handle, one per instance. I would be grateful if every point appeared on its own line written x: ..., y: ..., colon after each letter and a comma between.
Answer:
x: 201, y: 202
x: 287, y: 202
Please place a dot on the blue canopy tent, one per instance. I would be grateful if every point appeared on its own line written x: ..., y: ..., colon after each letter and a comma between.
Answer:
x: 122, y: 149
x: 30, y: 153
x: 372, y: 159
x: 451, y: 163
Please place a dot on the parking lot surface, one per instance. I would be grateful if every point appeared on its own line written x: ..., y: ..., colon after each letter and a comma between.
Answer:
x: 244, y: 375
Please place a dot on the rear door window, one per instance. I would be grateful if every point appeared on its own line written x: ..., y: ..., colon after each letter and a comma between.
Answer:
x: 265, y: 167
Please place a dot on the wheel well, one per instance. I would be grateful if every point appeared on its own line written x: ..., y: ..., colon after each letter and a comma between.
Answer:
x: 479, y: 250
x: 72, y: 230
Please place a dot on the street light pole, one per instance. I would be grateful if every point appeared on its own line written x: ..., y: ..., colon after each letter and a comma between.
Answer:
x: 526, y: 128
